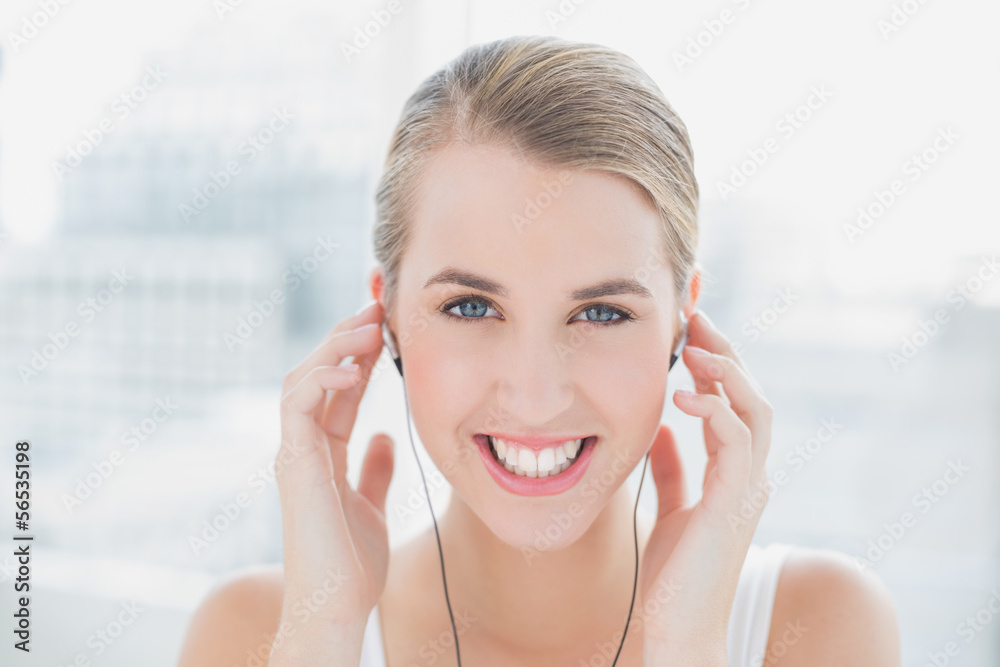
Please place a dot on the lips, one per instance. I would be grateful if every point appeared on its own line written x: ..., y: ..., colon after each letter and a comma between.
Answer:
x: 518, y: 478
x: 530, y: 462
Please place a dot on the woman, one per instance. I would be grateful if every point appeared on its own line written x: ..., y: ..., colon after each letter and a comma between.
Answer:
x: 536, y: 234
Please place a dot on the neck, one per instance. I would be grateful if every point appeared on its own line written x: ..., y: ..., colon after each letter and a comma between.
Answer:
x: 549, y: 599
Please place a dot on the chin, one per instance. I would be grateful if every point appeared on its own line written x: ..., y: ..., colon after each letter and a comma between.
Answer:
x: 534, y: 532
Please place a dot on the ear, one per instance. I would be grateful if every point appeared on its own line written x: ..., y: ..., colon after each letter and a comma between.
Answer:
x: 690, y: 302
x: 376, y: 283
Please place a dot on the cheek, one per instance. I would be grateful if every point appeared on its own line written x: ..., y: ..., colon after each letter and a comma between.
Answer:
x: 627, y: 379
x: 443, y: 370
x: 444, y: 387
x: 629, y: 398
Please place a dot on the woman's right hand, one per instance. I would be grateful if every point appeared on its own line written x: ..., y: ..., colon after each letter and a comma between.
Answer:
x: 336, y: 546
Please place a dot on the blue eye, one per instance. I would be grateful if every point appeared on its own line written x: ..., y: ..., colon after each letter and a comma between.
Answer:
x: 603, y: 314
x: 470, y: 307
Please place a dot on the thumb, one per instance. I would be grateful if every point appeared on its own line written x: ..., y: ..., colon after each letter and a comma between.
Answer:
x: 376, y: 470
x: 668, y: 472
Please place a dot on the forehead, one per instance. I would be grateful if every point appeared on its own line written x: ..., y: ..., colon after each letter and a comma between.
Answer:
x: 481, y: 207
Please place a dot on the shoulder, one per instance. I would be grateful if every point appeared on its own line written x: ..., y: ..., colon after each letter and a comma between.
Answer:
x: 828, y: 610
x: 241, y: 613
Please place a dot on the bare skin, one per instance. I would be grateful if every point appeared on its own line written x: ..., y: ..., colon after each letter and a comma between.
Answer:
x: 526, y: 609
x: 850, y: 618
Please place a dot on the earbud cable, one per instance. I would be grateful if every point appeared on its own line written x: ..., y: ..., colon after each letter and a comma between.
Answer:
x: 444, y: 579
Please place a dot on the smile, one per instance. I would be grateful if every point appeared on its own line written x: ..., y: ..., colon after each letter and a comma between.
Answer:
x: 526, y: 462
x: 538, y: 469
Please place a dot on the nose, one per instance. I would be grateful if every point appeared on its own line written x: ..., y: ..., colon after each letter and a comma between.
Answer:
x: 535, y: 386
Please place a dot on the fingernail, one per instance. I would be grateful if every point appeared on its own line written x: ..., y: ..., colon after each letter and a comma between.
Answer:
x: 685, y: 393
x: 350, y: 368
x: 366, y: 306
x: 697, y: 351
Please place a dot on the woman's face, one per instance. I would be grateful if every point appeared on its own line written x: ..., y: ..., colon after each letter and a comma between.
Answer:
x: 534, y: 303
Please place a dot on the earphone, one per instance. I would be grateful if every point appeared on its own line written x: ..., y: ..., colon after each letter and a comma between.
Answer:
x: 397, y: 359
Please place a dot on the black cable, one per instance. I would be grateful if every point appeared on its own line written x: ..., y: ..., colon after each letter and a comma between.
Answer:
x: 635, y: 579
x: 454, y: 632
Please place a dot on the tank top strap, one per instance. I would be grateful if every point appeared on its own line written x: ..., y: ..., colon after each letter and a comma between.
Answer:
x: 372, y: 651
x: 750, y: 617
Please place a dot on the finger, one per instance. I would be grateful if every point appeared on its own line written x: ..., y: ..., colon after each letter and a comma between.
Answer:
x: 376, y: 471
x: 744, y: 397
x: 370, y: 312
x: 704, y: 334
x: 344, y: 344
x: 734, y: 458
x: 341, y: 411
x: 341, y: 408
x: 306, y: 396
x: 304, y: 468
x: 668, y: 472
x: 702, y: 382
x: 321, y: 354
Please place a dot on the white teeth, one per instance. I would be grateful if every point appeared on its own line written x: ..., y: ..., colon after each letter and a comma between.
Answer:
x: 560, y: 456
x: 572, y: 447
x: 546, y: 460
x: 511, y: 456
x: 525, y: 462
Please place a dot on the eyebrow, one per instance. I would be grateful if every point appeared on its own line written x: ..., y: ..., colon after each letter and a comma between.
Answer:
x: 611, y: 287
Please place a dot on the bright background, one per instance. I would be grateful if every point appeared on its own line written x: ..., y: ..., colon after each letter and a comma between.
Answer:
x: 854, y: 301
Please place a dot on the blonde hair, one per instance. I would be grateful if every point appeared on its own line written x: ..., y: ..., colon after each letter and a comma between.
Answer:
x: 566, y: 104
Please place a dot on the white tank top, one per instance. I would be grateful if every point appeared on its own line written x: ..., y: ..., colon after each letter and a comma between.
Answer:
x: 749, y: 620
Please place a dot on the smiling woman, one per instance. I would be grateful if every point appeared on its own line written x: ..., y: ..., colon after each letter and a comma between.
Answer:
x: 535, y: 360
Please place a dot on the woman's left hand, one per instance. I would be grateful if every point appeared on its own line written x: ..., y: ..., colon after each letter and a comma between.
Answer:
x: 693, y: 559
